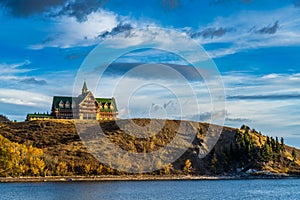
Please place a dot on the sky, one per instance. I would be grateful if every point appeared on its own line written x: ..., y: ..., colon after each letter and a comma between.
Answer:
x: 254, y: 45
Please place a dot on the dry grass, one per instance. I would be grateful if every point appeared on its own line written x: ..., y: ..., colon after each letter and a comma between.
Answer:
x: 61, y: 143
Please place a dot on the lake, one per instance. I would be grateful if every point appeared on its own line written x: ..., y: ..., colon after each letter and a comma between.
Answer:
x: 185, y: 190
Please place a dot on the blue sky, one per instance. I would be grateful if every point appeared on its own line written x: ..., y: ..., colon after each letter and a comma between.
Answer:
x: 255, y: 45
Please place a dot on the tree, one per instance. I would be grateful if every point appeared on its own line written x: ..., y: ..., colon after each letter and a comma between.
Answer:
x: 19, y: 159
x: 99, y: 169
x: 200, y: 132
x: 268, y: 141
x: 244, y: 127
x: 213, y: 165
x: 282, y: 144
x: 232, y: 152
x: 267, y: 152
x: 167, y: 168
x: 282, y: 141
x: 187, y: 169
x: 62, y: 168
x: 87, y: 169
x: 294, y: 155
x: 277, y: 145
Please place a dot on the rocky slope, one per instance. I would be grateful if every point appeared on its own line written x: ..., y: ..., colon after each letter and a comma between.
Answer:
x: 237, y: 152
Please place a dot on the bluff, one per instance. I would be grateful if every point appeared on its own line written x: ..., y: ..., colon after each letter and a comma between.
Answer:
x: 53, y: 147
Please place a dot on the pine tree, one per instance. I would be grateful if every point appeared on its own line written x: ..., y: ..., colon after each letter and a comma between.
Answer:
x: 282, y: 144
x: 294, y: 155
x: 277, y: 146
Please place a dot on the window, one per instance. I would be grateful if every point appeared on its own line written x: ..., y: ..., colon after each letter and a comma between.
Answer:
x: 105, y: 106
x: 67, y: 105
x: 61, y: 104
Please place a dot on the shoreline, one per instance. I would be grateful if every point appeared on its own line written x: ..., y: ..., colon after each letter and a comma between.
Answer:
x: 133, y: 178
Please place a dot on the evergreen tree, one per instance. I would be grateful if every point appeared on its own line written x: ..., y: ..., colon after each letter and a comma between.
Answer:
x: 294, y: 155
x: 277, y: 146
x: 282, y: 144
x: 268, y: 141
x: 267, y: 153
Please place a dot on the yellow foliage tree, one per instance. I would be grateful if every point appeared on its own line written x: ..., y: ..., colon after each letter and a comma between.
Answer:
x: 167, y: 168
x: 19, y: 159
x: 62, y: 168
x: 187, y: 169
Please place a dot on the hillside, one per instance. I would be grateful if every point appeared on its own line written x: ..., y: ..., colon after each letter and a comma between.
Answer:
x: 3, y: 118
x: 58, y: 150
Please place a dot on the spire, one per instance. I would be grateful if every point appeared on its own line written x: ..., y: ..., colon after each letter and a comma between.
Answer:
x: 84, y: 88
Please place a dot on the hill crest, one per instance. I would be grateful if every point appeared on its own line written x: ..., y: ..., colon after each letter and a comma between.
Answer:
x: 237, y: 151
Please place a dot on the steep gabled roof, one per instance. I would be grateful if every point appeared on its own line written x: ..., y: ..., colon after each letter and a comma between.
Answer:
x: 58, y: 99
x: 109, y: 102
x: 82, y: 97
x: 84, y: 88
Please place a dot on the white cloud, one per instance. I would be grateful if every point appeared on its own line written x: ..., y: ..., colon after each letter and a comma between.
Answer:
x: 243, y: 30
x: 273, y: 103
x: 25, y: 98
x: 271, y: 76
x: 13, y: 68
x: 67, y: 31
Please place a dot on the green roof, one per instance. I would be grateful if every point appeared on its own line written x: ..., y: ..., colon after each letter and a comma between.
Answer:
x: 40, y: 115
x: 109, y: 101
x: 77, y: 100
x: 58, y: 99
x: 104, y: 100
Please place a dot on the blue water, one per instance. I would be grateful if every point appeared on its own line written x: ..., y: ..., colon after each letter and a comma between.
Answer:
x: 203, y: 189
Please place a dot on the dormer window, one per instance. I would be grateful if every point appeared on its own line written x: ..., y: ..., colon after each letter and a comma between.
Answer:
x: 111, y: 107
x: 61, y: 104
x: 105, y: 106
x: 67, y: 105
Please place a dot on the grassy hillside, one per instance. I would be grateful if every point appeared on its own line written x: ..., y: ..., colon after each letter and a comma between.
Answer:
x: 58, y: 150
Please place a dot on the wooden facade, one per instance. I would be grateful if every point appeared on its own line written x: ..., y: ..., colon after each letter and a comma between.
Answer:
x: 85, y: 107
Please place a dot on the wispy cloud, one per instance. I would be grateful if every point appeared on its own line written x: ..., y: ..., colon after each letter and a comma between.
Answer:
x: 152, y: 56
x: 251, y: 30
x: 14, y: 68
x: 241, y: 31
x: 25, y: 98
x: 210, y: 33
x: 268, y: 101
x: 15, y: 75
x: 118, y: 29
x: 87, y: 31
x: 237, y: 120
x: 33, y: 81
x: 269, y: 29
x: 265, y: 97
x: 79, y: 9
